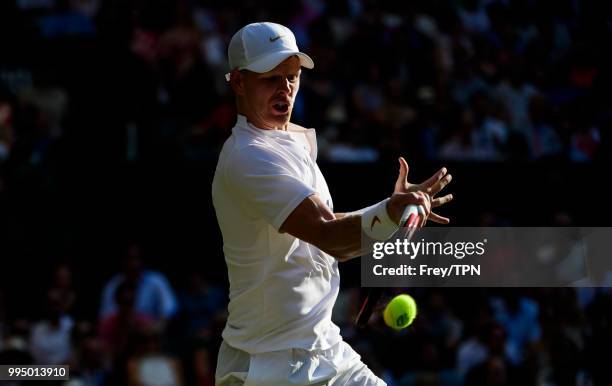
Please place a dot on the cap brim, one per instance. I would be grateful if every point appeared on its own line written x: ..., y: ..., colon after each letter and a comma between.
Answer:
x: 268, y: 62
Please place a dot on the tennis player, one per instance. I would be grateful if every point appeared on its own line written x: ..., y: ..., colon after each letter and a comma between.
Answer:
x: 282, y: 239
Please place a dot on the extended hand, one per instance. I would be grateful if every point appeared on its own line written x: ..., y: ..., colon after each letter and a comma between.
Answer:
x: 431, y: 187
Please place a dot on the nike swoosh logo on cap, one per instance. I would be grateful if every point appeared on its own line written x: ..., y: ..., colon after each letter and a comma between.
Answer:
x: 276, y: 38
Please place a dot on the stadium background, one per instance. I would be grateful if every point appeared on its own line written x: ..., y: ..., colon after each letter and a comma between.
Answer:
x: 112, y: 114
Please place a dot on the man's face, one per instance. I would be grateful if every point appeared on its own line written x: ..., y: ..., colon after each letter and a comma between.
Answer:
x: 267, y: 98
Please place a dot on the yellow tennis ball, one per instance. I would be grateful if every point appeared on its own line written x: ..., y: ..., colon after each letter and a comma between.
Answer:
x: 400, y: 312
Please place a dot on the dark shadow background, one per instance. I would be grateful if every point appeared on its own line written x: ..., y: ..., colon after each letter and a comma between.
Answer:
x: 112, y: 114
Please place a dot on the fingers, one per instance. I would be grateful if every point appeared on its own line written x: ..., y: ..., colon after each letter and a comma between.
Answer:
x: 424, y: 209
x: 402, y: 176
x: 404, y: 164
x: 435, y: 178
x: 438, y: 219
x: 427, y: 209
x: 405, y: 199
x: 439, y: 185
x: 439, y: 201
x: 425, y: 204
x: 399, y: 201
x: 423, y: 219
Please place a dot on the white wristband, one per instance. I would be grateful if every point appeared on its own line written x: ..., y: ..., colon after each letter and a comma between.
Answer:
x: 376, y: 223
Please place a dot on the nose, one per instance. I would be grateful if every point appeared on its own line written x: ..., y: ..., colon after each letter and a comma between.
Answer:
x: 285, y: 85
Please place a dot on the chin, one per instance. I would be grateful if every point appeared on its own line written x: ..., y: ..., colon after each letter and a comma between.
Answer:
x: 281, y: 120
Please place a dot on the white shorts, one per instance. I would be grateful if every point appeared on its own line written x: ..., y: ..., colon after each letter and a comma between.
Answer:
x: 338, y: 365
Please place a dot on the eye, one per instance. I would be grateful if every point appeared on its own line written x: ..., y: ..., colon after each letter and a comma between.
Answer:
x: 273, y: 78
x: 293, y: 78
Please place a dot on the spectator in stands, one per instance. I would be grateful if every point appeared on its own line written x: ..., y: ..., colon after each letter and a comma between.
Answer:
x: 519, y: 316
x: 490, y: 340
x: 441, y: 326
x: 153, y: 295
x: 117, y: 329
x: 50, y: 338
x: 543, y: 139
x: 199, y: 304
x: 199, y: 363
x: 149, y: 365
x: 61, y: 285
x: 90, y: 367
x: 7, y: 134
x: 492, y: 372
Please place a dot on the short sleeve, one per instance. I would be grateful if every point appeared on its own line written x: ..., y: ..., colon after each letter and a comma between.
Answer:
x: 107, y: 303
x: 267, y: 181
x: 168, y: 304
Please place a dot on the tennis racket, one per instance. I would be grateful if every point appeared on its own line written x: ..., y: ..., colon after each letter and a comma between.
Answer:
x: 411, y: 218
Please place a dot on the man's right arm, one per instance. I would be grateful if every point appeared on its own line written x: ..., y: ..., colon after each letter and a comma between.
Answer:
x: 272, y: 187
x: 341, y: 237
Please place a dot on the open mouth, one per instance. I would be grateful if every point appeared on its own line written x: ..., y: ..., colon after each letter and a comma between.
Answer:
x: 281, y: 107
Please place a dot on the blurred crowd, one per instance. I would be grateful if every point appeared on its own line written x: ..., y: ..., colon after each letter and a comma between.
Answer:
x: 495, y: 337
x: 486, y: 80
x: 147, y: 331
x: 94, y: 83
x: 150, y: 331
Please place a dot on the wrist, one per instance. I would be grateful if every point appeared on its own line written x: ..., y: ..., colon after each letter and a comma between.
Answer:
x: 377, y: 223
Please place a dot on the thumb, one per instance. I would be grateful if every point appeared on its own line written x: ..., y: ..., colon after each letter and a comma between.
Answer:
x: 402, y: 175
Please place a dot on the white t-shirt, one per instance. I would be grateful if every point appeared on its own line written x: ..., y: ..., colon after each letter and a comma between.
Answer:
x: 282, y: 289
x: 51, y: 345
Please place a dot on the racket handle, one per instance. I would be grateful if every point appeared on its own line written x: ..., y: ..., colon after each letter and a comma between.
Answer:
x: 410, y: 217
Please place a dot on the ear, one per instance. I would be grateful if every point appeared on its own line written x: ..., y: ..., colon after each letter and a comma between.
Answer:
x: 237, y: 81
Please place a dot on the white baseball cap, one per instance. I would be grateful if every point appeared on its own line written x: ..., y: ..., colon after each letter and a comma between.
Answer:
x: 259, y: 47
